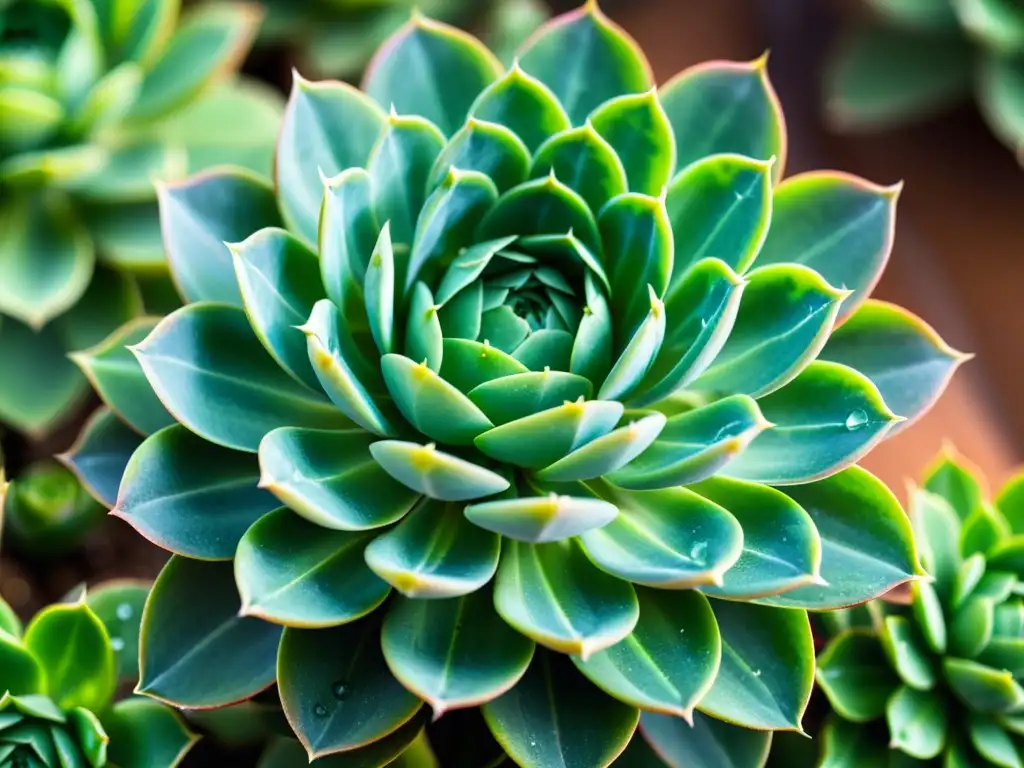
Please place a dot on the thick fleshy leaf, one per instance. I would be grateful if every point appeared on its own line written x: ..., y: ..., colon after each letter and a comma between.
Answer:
x: 781, y: 546
x: 881, y: 76
x: 400, y: 164
x: 290, y: 571
x: 553, y: 594
x: 708, y: 743
x: 956, y: 481
x: 112, y: 299
x: 907, y: 652
x: 981, y: 687
x: 553, y: 698
x: 351, y: 382
x: 490, y: 148
x: 146, y: 732
x: 854, y: 673
x: 543, y: 438
x: 431, y: 69
x: 191, y: 497
x: 336, y: 690
x: 208, y: 41
x: 968, y: 576
x: 670, y: 659
x: 929, y: 614
x: 917, y: 723
x: 971, y: 628
x: 210, y: 371
x: 784, y: 319
x: 195, y: 650
x: 541, y: 519
x: 73, y: 647
x: 638, y: 246
x: 867, y: 546
x: 607, y: 63
x: 524, y: 105
x: 435, y: 473
x: 435, y: 553
x: 432, y: 405
x: 606, y: 453
x: 279, y: 278
x: 638, y: 129
x: 993, y: 743
x: 426, y: 649
x: 100, y: 454
x: 1009, y: 556
x: 379, y: 292
x: 347, y: 234
x: 721, y: 207
x: 199, y: 215
x: 585, y: 162
x: 331, y: 479
x: 636, y: 359
x: 823, y: 421
x: 1010, y: 502
x: 725, y: 106
x: 938, y: 535
x: 327, y: 128
x: 908, y: 362
x: 767, y: 670
x: 519, y: 395
x: 838, y: 225
x: 118, y: 603
x: 695, y: 445
x: 46, y: 258
x: 118, y: 378
x: 667, y: 539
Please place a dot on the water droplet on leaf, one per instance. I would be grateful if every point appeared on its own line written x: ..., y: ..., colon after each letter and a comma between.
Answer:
x: 340, y: 691
x: 697, y: 552
x: 124, y: 611
x: 856, y: 419
x: 320, y: 710
x: 117, y: 643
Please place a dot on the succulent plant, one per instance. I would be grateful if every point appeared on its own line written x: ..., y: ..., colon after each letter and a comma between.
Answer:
x: 916, y: 58
x: 58, y: 680
x: 938, y: 677
x: 338, y: 37
x: 96, y: 100
x: 506, y: 396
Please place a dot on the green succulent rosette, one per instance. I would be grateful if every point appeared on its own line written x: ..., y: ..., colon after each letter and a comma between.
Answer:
x: 525, y: 392
x: 58, y: 679
x: 337, y: 37
x: 915, y: 58
x: 97, y: 100
x: 939, y: 677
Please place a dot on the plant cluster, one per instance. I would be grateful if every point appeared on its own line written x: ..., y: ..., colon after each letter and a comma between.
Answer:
x: 97, y: 100
x: 943, y: 672
x: 915, y: 58
x: 528, y: 390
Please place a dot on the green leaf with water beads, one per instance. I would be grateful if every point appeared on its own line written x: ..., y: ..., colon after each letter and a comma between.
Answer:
x: 190, y: 496
x: 607, y: 63
x: 119, y: 604
x: 725, y: 106
x: 435, y: 552
x: 667, y: 539
x: 340, y: 125
x: 431, y: 69
x: 336, y: 690
x: 331, y: 478
x: 427, y: 649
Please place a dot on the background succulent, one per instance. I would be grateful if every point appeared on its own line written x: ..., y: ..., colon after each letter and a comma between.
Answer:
x: 98, y: 99
x: 337, y: 37
x: 59, y: 678
x: 917, y: 57
x: 507, y: 395
x: 940, y: 676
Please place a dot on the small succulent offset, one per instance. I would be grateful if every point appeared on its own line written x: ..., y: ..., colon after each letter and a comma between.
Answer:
x: 524, y: 389
x: 337, y: 37
x: 98, y: 99
x: 58, y: 679
x: 943, y: 676
x: 916, y: 58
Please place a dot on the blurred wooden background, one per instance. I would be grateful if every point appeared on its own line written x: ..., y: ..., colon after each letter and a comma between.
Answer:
x: 960, y: 232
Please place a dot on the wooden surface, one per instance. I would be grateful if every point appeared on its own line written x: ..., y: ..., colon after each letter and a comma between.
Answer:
x: 958, y: 258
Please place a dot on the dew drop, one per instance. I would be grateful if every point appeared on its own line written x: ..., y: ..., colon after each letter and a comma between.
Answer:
x: 124, y: 611
x: 856, y: 419
x: 340, y: 691
x: 757, y: 673
x: 117, y: 643
x: 697, y: 552
x: 320, y: 710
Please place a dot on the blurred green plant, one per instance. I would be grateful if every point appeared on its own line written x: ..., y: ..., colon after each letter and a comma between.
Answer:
x: 58, y: 679
x: 526, y: 391
x: 97, y: 100
x: 938, y: 678
x: 336, y: 38
x: 916, y: 58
